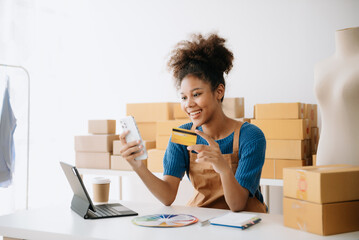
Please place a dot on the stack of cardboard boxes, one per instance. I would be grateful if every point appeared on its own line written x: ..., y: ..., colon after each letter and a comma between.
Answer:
x: 311, y: 113
x: 323, y: 200
x: 94, y: 151
x: 287, y: 133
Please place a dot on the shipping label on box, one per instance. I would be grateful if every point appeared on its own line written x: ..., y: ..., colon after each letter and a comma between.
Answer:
x: 288, y: 149
x: 233, y: 107
x: 279, y: 111
x: 93, y: 160
x: 155, y: 160
x: 322, y: 184
x: 102, y: 126
x: 119, y: 163
x: 322, y: 219
x: 268, y: 169
x: 150, y: 112
x: 296, y: 129
x: 95, y: 143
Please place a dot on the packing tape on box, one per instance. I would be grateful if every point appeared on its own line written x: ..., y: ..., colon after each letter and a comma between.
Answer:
x: 183, y: 136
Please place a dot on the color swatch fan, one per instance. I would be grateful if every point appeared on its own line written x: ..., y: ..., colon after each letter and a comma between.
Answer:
x: 165, y: 220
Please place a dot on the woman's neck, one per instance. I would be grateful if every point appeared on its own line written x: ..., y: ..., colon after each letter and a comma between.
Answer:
x: 347, y: 41
x: 219, y: 127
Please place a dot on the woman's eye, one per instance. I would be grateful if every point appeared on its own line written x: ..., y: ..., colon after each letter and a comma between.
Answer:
x: 196, y: 94
x: 183, y: 98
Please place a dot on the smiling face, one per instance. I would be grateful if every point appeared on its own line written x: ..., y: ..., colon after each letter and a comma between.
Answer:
x: 199, y: 101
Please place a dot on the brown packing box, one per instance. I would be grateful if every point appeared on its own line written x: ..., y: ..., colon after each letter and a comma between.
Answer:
x: 147, y: 130
x: 162, y: 141
x: 117, y: 146
x: 155, y: 160
x: 95, y: 143
x: 150, y: 112
x: 93, y: 160
x: 287, y: 149
x: 268, y: 169
x: 165, y: 127
x: 322, y: 219
x: 279, y: 111
x: 314, y: 140
x: 178, y: 113
x: 311, y: 113
x: 314, y: 160
x: 322, y: 184
x: 296, y: 129
x: 102, y: 126
x: 233, y: 107
x: 280, y: 164
x: 119, y: 163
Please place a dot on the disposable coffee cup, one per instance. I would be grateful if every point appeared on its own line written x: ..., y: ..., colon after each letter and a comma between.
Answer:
x: 101, y: 189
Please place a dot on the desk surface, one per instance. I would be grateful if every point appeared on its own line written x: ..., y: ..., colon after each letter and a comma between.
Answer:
x: 62, y: 223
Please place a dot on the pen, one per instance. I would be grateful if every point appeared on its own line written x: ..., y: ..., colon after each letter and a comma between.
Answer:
x: 251, y: 223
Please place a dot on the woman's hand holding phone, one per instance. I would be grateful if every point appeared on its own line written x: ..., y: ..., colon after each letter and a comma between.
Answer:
x: 131, y: 150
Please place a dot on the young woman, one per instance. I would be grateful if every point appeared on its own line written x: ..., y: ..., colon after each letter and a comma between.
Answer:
x: 226, y: 163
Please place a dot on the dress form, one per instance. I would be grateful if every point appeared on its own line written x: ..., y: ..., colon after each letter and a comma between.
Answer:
x: 337, y: 92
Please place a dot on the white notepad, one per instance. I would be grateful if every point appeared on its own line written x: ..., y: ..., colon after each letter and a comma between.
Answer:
x: 238, y: 220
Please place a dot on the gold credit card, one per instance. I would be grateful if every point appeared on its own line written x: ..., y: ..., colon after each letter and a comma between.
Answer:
x: 183, y: 136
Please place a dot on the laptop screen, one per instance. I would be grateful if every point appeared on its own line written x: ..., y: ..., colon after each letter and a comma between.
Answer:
x: 76, y: 183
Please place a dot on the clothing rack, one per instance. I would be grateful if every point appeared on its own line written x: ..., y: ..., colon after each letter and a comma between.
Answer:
x: 28, y: 126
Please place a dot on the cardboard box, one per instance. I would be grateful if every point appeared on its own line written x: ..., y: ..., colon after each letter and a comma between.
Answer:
x: 296, y: 129
x: 311, y: 113
x: 322, y: 184
x: 279, y: 111
x: 314, y: 160
x: 147, y: 130
x: 165, y: 127
x: 268, y: 169
x: 93, y: 160
x: 280, y: 164
x: 233, y: 107
x: 95, y: 143
x: 314, y: 139
x: 119, y: 163
x: 117, y: 146
x: 162, y: 141
x: 288, y: 149
x: 322, y: 219
x: 155, y: 160
x: 102, y: 126
x: 150, y: 112
x: 178, y: 113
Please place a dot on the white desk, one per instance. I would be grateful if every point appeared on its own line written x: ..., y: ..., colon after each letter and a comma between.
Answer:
x: 62, y: 223
x: 265, y: 183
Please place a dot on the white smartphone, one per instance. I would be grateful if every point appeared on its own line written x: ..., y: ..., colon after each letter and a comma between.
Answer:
x: 129, y: 123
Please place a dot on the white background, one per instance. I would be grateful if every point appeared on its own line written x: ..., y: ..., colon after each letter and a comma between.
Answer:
x: 88, y: 58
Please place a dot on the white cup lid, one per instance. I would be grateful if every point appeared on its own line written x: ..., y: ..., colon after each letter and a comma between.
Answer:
x: 100, y: 180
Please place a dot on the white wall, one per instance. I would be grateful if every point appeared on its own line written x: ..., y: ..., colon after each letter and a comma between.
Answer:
x: 88, y: 58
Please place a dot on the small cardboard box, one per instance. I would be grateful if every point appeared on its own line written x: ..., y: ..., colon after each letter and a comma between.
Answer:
x: 178, y: 113
x: 117, y: 146
x: 311, y: 113
x: 322, y: 219
x: 102, y: 126
x: 280, y: 164
x: 314, y: 140
x: 150, y: 112
x: 314, y: 158
x: 119, y: 163
x: 287, y: 149
x: 165, y: 127
x: 162, y: 141
x: 233, y: 107
x: 147, y: 130
x: 322, y: 184
x: 296, y: 129
x: 155, y: 160
x: 95, y: 143
x: 279, y: 111
x: 268, y: 169
x: 93, y: 160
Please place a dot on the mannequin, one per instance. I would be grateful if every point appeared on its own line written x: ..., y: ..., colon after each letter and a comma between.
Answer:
x: 337, y: 92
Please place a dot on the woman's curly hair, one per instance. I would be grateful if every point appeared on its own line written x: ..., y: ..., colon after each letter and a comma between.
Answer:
x: 205, y: 58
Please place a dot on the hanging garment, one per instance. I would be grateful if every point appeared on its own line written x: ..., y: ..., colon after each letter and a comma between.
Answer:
x: 7, y: 149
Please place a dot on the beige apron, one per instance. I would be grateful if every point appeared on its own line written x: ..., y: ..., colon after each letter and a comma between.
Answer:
x: 207, y: 182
